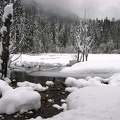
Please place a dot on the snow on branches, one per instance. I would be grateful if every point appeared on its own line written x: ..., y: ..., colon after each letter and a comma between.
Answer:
x: 5, y: 43
x: 8, y: 11
x: 84, y: 41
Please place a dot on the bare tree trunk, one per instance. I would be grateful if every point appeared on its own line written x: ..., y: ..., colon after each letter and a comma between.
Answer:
x: 83, y: 56
x: 86, y: 57
x: 78, y: 56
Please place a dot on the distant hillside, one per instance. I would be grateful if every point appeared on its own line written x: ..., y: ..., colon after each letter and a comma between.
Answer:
x: 50, y: 12
x: 46, y: 28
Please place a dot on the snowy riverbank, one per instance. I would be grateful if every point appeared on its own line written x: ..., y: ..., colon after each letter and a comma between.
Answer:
x: 91, y: 98
x: 96, y: 64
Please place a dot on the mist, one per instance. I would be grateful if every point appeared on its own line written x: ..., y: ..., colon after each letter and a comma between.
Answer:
x: 94, y: 8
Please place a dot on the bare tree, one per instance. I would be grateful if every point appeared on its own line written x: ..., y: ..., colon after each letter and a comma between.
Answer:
x: 84, y: 41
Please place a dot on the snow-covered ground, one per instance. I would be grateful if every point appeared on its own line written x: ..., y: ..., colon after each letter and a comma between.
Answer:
x: 97, y: 64
x: 50, y: 59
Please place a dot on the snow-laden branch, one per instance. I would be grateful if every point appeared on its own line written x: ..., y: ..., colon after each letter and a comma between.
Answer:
x: 10, y: 61
x: 84, y: 41
x: 8, y: 10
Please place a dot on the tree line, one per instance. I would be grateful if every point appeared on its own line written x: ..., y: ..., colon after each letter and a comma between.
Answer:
x: 37, y: 30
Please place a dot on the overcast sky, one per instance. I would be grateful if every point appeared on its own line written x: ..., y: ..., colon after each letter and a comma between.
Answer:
x: 97, y: 8
x: 94, y: 8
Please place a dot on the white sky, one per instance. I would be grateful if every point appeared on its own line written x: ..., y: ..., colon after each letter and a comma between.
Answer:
x: 97, y: 8
x: 94, y: 8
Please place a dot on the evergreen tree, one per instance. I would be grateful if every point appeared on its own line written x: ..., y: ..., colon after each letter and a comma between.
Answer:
x: 17, y: 31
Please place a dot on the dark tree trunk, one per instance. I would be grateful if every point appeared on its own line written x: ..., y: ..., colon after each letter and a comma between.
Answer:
x: 86, y: 57
x: 5, y: 44
x: 83, y: 56
x: 78, y: 56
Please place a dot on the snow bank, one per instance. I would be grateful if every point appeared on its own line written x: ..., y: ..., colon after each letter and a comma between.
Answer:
x: 96, y: 64
x: 50, y: 59
x: 6, y: 79
x: 114, y: 79
x: 37, y: 87
x: 20, y: 99
x: 99, y: 102
x: 73, y: 83
x: 4, y: 87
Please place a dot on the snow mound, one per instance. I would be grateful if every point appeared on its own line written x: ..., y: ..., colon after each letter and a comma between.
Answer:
x: 63, y: 106
x: 57, y: 106
x: 20, y: 99
x: 4, y: 87
x: 70, y: 89
x: 114, y: 79
x: 100, y: 102
x: 73, y: 83
x: 49, y: 83
x: 79, y: 83
x: 37, y: 87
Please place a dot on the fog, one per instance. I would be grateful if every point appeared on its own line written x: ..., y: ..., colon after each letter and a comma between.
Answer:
x: 94, y: 8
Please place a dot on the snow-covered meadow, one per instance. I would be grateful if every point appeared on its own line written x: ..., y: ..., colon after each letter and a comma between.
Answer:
x: 49, y: 59
x: 96, y: 64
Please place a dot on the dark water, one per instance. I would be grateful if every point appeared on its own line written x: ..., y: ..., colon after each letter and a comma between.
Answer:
x: 41, y: 76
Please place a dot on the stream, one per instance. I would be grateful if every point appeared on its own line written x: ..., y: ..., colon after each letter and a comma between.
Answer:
x: 55, y: 93
x: 43, y: 76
